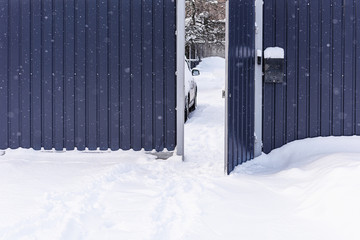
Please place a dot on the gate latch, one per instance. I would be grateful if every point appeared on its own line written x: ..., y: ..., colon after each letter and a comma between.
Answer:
x: 274, y: 65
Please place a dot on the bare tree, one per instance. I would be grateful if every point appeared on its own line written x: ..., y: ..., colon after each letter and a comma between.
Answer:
x: 205, y: 21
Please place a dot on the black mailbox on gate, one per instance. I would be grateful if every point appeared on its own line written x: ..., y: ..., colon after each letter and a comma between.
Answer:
x: 274, y: 65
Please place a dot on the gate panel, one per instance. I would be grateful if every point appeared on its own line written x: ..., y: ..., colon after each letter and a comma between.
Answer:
x: 88, y: 74
x: 319, y: 96
x: 240, y: 90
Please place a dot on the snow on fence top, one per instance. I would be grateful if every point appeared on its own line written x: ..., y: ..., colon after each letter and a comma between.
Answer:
x: 274, y: 52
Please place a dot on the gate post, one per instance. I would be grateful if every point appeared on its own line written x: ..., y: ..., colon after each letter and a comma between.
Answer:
x: 226, y: 135
x: 180, y: 85
x: 258, y: 76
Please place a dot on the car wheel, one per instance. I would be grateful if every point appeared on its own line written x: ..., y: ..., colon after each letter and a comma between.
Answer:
x: 194, y: 106
x: 186, y: 113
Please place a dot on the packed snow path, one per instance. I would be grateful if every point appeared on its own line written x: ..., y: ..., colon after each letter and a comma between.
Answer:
x: 306, y: 190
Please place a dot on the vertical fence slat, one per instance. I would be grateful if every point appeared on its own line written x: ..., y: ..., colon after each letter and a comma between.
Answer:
x: 357, y: 67
x: 239, y: 89
x: 303, y: 72
x: 58, y: 87
x: 170, y: 82
x: 25, y: 75
x: 337, y: 69
x: 243, y: 77
x: 232, y: 36
x: 80, y: 76
x: 239, y: 96
x: 326, y: 45
x: 136, y: 83
x: 291, y: 70
x: 236, y: 98
x: 314, y: 69
x: 36, y: 76
x: 147, y: 74
x: 125, y: 70
x: 91, y: 74
x: 4, y: 78
x: 348, y: 46
x: 103, y: 129
x: 268, y: 89
x: 48, y: 39
x: 280, y: 94
x: 252, y: 109
x: 114, y: 44
x: 69, y: 70
x: 248, y: 130
x: 159, y: 74
x: 251, y: 82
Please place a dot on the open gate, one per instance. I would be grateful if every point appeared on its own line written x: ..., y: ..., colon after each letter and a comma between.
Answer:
x: 240, y: 83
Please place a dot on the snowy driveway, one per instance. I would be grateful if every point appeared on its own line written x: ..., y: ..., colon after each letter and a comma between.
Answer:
x: 306, y: 190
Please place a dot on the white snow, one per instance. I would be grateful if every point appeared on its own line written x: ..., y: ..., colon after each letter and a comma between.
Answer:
x: 308, y: 189
x: 258, y: 53
x: 274, y: 52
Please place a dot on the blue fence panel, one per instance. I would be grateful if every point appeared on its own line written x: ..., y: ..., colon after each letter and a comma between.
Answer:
x: 320, y: 95
x: 241, y: 59
x: 88, y: 74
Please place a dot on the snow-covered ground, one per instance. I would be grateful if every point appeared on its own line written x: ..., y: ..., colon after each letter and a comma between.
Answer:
x: 308, y: 189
